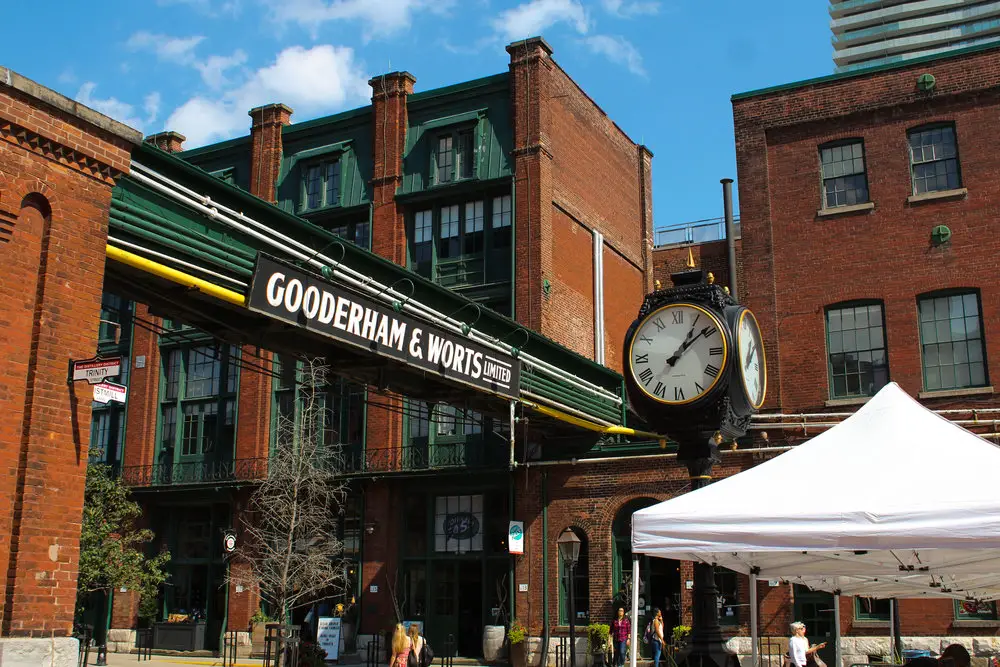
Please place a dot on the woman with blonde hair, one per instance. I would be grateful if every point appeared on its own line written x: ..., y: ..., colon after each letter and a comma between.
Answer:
x: 798, y: 646
x: 417, y: 643
x: 401, y: 647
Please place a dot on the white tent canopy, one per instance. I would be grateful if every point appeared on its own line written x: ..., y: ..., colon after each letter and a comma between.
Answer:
x: 895, y: 501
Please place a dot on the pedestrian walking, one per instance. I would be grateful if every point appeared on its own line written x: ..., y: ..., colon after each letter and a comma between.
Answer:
x: 401, y: 647
x: 621, y: 636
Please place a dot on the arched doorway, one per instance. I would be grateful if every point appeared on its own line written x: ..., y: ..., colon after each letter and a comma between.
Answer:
x: 659, y: 579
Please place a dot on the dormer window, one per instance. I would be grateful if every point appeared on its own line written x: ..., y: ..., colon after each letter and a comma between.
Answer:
x: 320, y: 185
x: 453, y: 157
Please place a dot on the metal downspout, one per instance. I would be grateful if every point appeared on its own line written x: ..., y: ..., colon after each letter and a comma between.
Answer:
x: 545, y: 570
x: 727, y: 202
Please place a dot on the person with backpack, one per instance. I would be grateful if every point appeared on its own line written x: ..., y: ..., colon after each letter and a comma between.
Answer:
x: 422, y: 656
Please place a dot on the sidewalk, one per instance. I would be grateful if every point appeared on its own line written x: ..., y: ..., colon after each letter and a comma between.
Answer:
x: 131, y: 660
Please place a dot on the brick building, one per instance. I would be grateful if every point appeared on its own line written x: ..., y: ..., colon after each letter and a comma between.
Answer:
x: 516, y: 191
x: 866, y: 204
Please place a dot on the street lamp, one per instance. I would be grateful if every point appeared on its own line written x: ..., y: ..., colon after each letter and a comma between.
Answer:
x: 569, y: 551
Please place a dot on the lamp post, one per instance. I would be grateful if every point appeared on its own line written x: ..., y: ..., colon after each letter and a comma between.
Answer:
x: 569, y: 551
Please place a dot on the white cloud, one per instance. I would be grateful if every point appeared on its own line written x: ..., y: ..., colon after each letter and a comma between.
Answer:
x: 321, y: 79
x: 179, y: 50
x: 109, y: 106
x: 534, y: 17
x: 151, y: 105
x: 630, y: 9
x: 213, y: 70
x: 617, y: 50
x: 380, y: 19
x: 207, y: 7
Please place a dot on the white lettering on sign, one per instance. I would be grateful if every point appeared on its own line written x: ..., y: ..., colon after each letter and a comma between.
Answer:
x: 323, y: 306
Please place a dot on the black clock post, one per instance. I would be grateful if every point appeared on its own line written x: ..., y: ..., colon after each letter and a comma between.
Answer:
x: 698, y: 426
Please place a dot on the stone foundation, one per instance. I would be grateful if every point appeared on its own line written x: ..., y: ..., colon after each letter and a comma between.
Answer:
x: 121, y: 640
x: 856, y: 650
x: 54, y: 652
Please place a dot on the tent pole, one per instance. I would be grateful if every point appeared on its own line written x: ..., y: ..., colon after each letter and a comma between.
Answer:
x: 836, y: 628
x: 635, y: 610
x: 892, y: 633
x: 754, y: 631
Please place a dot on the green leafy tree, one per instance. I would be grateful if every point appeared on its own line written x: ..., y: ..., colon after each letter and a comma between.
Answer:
x: 113, y: 548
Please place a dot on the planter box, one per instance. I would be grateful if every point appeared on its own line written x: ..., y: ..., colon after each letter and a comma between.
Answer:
x: 179, y: 636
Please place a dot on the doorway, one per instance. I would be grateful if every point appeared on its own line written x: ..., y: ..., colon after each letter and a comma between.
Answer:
x: 815, y: 609
x: 659, y: 579
x: 456, y: 612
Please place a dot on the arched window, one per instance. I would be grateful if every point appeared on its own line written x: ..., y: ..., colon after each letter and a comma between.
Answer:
x: 581, y: 584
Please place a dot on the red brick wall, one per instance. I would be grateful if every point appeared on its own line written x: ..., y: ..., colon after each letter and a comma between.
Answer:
x: 624, y: 289
x: 56, y: 173
x: 143, y: 393
x: 791, y: 253
x: 265, y: 146
x: 569, y: 308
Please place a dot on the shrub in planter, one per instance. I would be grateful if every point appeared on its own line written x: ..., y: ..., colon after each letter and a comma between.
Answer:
x: 598, y: 637
x: 311, y: 655
x: 516, y: 635
x: 681, y: 633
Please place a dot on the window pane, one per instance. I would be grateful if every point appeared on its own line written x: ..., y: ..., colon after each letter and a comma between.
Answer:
x: 465, y: 155
x: 332, y: 183
x: 445, y: 173
x: 448, y: 232
x: 473, y: 241
x: 314, y: 192
x: 843, y: 171
x: 202, y: 372
x: 933, y: 158
x: 362, y: 235
x: 172, y: 372
x: 423, y: 237
x: 957, y: 360
x: 857, y: 361
x: 501, y: 221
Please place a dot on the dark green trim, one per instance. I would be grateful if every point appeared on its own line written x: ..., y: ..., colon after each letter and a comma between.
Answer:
x: 840, y: 76
x: 295, y: 128
x: 464, y: 87
x: 212, y: 148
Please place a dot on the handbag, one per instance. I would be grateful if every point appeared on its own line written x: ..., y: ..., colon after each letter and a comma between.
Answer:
x: 411, y: 660
x: 813, y: 660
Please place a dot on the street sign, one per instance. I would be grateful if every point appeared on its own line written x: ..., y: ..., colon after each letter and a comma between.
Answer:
x: 229, y: 542
x: 515, y: 537
x: 109, y: 391
x: 94, y: 370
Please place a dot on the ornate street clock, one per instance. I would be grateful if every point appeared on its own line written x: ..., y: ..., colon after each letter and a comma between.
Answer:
x: 695, y: 361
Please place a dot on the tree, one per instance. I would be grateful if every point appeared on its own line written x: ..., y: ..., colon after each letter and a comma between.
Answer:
x: 113, y: 548
x: 290, y: 543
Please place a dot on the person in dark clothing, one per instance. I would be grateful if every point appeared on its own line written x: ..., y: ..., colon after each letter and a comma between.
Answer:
x: 958, y: 653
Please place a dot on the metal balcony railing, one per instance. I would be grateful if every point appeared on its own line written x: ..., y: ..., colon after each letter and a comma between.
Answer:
x: 195, y: 472
x: 699, y: 231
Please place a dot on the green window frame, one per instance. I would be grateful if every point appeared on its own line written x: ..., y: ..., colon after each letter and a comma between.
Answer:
x: 872, y: 609
x: 227, y: 175
x: 358, y: 233
x: 934, y: 164
x: 857, y: 353
x: 439, y: 435
x: 321, y: 185
x: 843, y: 172
x: 952, y: 344
x: 114, y: 339
x: 198, y: 402
x: 970, y: 610
x: 581, y: 582
x: 462, y: 243
x: 453, y: 157
x: 344, y: 420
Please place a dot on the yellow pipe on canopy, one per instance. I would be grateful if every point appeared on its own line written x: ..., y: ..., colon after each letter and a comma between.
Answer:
x: 591, y: 426
x: 173, y: 275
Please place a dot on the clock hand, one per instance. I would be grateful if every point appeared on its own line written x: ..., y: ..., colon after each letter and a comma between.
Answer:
x: 684, y: 347
x: 680, y: 350
x: 750, y: 353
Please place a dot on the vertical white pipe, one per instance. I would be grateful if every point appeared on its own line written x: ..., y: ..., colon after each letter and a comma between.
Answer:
x: 836, y: 629
x: 754, y: 631
x: 598, y: 262
x: 635, y: 611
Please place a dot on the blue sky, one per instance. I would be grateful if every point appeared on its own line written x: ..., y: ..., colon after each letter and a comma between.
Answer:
x: 662, y: 69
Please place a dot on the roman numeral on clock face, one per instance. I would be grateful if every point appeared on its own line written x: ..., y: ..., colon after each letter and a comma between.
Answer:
x: 646, y: 375
x: 678, y: 316
x: 715, y: 351
x: 642, y: 358
x: 711, y: 371
x: 660, y: 326
x: 678, y: 394
x: 661, y: 390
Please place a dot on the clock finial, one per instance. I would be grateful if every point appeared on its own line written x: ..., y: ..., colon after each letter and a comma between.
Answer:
x: 658, y: 285
x: 711, y: 278
x: 690, y: 261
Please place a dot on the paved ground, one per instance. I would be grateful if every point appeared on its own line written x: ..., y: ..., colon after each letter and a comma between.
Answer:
x: 122, y: 659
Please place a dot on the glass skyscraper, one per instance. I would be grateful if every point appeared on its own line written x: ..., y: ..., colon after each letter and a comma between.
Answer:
x: 868, y: 33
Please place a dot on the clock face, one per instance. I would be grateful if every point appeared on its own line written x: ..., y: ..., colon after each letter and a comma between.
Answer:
x: 678, y: 353
x: 750, y: 349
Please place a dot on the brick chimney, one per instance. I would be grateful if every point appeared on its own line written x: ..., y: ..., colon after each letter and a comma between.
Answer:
x: 171, y: 142
x: 265, y: 136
